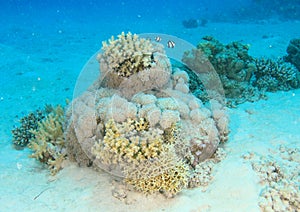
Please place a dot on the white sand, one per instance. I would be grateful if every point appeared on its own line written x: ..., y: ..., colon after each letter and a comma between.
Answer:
x: 258, y: 127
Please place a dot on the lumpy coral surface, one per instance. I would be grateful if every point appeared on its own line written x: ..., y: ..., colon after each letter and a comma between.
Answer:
x: 140, y: 121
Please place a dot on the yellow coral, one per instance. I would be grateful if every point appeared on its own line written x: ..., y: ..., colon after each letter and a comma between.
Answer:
x: 145, y: 155
x: 171, y: 133
x: 167, y: 174
x: 128, y: 142
x: 48, y: 144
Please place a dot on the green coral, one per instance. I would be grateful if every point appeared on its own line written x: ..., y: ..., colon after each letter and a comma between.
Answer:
x: 275, y: 75
x: 233, y: 64
x: 244, y: 78
x: 23, y: 134
x: 48, y: 145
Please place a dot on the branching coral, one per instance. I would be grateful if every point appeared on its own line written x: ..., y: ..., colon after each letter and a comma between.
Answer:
x: 165, y: 173
x: 23, y: 134
x: 132, y: 64
x: 232, y: 62
x: 127, y: 55
x: 275, y: 75
x: 129, y: 142
x: 48, y: 146
x: 143, y: 155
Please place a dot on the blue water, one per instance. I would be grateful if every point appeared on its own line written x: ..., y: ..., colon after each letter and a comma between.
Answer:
x: 45, y: 43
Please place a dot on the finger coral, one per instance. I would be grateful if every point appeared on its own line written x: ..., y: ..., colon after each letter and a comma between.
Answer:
x: 127, y: 55
x: 48, y: 146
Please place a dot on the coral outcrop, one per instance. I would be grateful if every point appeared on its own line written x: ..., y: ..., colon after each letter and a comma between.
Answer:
x: 244, y: 78
x: 233, y: 64
x: 140, y: 121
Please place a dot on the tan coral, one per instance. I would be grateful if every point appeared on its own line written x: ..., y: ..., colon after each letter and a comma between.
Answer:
x: 165, y: 174
x: 127, y: 55
x: 48, y: 146
x: 128, y: 142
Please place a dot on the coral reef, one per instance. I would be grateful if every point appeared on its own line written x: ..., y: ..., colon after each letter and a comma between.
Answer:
x: 293, y: 51
x: 275, y: 75
x: 23, y: 134
x: 244, y: 78
x: 233, y: 64
x: 141, y: 122
x: 48, y: 145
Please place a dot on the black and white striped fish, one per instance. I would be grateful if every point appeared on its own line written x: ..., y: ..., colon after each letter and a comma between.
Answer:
x: 171, y: 44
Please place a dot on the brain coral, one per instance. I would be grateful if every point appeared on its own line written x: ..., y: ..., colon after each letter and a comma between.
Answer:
x: 141, y: 122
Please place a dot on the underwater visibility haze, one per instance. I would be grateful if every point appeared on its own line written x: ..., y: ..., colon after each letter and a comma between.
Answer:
x: 150, y: 105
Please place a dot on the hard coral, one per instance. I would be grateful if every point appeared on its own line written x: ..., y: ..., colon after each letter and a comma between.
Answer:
x: 275, y: 75
x: 140, y: 126
x: 48, y: 145
x: 23, y: 134
x: 131, y: 64
x: 127, y: 55
x: 232, y: 62
x: 129, y: 142
x: 165, y: 173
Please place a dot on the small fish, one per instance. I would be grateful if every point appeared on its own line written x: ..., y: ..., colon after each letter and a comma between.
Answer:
x: 157, y: 39
x: 171, y: 44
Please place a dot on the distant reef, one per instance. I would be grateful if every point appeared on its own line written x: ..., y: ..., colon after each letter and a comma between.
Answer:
x: 244, y: 77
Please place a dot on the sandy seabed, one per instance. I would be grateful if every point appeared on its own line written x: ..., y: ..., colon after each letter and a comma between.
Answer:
x: 258, y: 128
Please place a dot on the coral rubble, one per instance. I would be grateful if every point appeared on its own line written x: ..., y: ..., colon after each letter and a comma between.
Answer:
x: 279, y: 174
